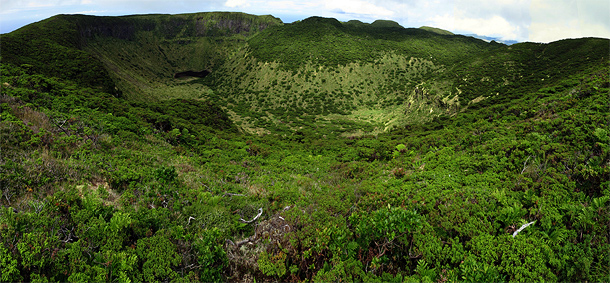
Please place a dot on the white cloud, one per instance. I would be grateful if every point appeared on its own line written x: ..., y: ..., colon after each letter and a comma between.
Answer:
x: 236, y: 3
x: 490, y: 26
x: 557, y: 19
x: 19, y: 6
x: 358, y: 7
x: 507, y: 19
x: 547, y: 32
x: 43, y: 3
x: 295, y: 6
x: 90, y: 12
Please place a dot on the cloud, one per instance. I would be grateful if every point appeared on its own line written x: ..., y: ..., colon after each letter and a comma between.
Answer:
x: 293, y: 6
x: 237, y: 3
x: 30, y: 4
x: 358, y: 7
x: 557, y: 19
x: 491, y: 26
x: 507, y: 19
x: 90, y: 12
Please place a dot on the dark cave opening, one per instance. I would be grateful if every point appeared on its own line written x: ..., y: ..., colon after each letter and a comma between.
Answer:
x: 201, y: 74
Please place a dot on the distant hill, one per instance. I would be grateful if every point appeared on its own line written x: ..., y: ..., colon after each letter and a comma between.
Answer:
x: 386, y: 24
x: 437, y: 30
x: 496, y: 39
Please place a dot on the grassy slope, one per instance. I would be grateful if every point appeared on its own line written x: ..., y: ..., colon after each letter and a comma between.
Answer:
x: 143, y: 52
x: 437, y: 30
x: 341, y: 68
x: 161, y: 45
x: 51, y: 47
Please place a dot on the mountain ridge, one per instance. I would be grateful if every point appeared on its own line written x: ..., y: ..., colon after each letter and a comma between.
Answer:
x: 252, y: 59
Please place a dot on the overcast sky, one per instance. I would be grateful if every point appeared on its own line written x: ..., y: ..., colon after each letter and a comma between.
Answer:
x: 521, y: 20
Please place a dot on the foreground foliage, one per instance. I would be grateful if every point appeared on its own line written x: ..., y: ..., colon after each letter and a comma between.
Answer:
x: 100, y: 188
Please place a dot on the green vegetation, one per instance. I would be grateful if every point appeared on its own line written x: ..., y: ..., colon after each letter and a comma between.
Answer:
x: 437, y: 30
x: 381, y: 164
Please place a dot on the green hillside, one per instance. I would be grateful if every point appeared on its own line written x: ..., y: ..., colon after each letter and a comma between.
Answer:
x: 53, y: 47
x: 341, y: 78
x: 364, y: 76
x: 385, y: 66
x: 215, y: 147
x: 437, y: 30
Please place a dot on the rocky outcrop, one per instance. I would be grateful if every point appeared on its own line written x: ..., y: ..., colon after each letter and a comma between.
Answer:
x: 123, y: 30
x: 172, y: 26
x: 228, y: 25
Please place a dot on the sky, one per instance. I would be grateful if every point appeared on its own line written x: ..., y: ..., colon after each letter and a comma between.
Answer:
x: 521, y: 20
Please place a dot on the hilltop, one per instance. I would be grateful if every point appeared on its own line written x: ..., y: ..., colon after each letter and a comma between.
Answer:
x: 219, y: 146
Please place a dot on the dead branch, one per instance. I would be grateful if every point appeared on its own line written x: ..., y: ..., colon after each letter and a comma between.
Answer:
x: 525, y: 164
x: 233, y: 195
x: 60, y: 124
x: 523, y: 227
x: 240, y: 243
x: 260, y: 212
x: 8, y: 194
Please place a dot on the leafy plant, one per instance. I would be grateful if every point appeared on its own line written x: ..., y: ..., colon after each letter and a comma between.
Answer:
x: 272, y: 265
x: 166, y: 175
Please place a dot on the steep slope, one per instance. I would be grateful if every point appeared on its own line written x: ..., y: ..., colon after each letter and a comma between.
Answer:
x: 345, y: 76
x: 342, y: 76
x: 149, y: 50
x: 53, y: 47
x: 138, y: 53
x: 525, y: 67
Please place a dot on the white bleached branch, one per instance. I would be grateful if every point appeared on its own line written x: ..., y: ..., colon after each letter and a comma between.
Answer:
x: 260, y: 212
x: 523, y: 227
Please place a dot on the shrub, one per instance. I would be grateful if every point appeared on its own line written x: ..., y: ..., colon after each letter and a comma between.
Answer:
x: 166, y: 175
